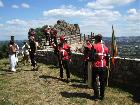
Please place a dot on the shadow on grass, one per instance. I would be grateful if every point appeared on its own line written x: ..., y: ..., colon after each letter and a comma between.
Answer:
x: 79, y: 85
x: 6, y: 71
x: 47, y: 77
x: 76, y: 80
x: 75, y: 94
x: 63, y: 80
x: 53, y: 67
x: 132, y: 90
x: 30, y: 70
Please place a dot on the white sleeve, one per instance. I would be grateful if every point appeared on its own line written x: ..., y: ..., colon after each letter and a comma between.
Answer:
x: 23, y: 47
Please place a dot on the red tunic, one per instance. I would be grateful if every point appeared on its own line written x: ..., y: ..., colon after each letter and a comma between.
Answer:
x: 101, y: 52
x: 63, y: 49
x: 87, y: 52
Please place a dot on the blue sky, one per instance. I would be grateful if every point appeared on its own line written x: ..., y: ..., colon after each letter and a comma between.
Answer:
x: 17, y: 16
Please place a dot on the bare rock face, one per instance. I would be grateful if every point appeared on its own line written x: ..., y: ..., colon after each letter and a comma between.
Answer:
x: 66, y: 28
x: 71, y: 31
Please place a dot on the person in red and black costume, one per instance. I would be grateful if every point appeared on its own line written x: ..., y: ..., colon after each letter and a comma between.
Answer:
x: 53, y: 36
x: 87, y: 52
x: 100, y: 57
x: 47, y: 34
x: 65, y: 57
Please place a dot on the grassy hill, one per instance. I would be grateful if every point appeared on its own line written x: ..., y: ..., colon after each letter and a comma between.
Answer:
x: 43, y: 87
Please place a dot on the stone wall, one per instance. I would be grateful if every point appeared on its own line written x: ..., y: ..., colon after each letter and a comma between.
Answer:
x: 126, y: 71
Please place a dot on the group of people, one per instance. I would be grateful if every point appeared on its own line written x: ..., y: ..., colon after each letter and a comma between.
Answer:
x: 29, y: 51
x: 96, y: 52
x: 50, y: 34
x: 98, y: 55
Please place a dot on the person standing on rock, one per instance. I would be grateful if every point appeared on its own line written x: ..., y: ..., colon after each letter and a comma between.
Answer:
x: 47, y: 34
x: 65, y: 57
x: 53, y: 36
x: 100, y: 61
x: 31, y: 33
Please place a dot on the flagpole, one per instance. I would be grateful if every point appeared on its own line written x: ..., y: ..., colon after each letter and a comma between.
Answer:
x: 113, y: 53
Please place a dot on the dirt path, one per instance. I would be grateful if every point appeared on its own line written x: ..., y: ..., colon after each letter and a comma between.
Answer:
x: 43, y: 87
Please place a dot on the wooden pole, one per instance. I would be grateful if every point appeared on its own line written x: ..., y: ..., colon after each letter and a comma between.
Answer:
x: 91, y: 37
x: 88, y: 36
x: 80, y: 36
x: 84, y: 37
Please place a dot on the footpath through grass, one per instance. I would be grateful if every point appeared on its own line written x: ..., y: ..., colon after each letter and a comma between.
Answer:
x: 43, y: 87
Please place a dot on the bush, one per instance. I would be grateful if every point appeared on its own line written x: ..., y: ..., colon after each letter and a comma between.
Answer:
x: 3, y: 51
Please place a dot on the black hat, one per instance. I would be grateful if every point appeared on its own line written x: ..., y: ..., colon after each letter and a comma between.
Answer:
x: 98, y: 37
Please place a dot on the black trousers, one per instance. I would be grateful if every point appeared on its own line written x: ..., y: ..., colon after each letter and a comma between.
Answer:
x: 55, y: 40
x: 47, y: 37
x: 102, y: 73
x: 64, y: 64
x: 32, y: 57
x: 85, y: 70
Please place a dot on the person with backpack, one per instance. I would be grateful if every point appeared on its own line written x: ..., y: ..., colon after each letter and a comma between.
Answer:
x: 99, y: 66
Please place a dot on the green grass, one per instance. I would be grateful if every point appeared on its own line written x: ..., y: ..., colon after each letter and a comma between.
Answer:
x: 43, y: 87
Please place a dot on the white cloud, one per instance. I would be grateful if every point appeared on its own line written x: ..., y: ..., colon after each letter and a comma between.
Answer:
x: 133, y: 16
x: 1, y: 4
x: 107, y: 4
x: 1, y: 25
x: 98, y: 21
x: 107, y: 15
x: 132, y: 11
x: 19, y: 28
x: 15, y: 6
x: 68, y: 11
x: 16, y: 22
x: 25, y: 5
x: 98, y: 5
x: 115, y: 2
x: 40, y: 22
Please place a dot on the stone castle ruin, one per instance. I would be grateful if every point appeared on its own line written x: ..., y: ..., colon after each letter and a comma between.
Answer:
x: 66, y: 28
x: 62, y: 27
x: 71, y: 32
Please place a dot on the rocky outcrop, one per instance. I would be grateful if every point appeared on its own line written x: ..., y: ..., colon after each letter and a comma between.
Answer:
x: 67, y: 28
x: 71, y: 32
